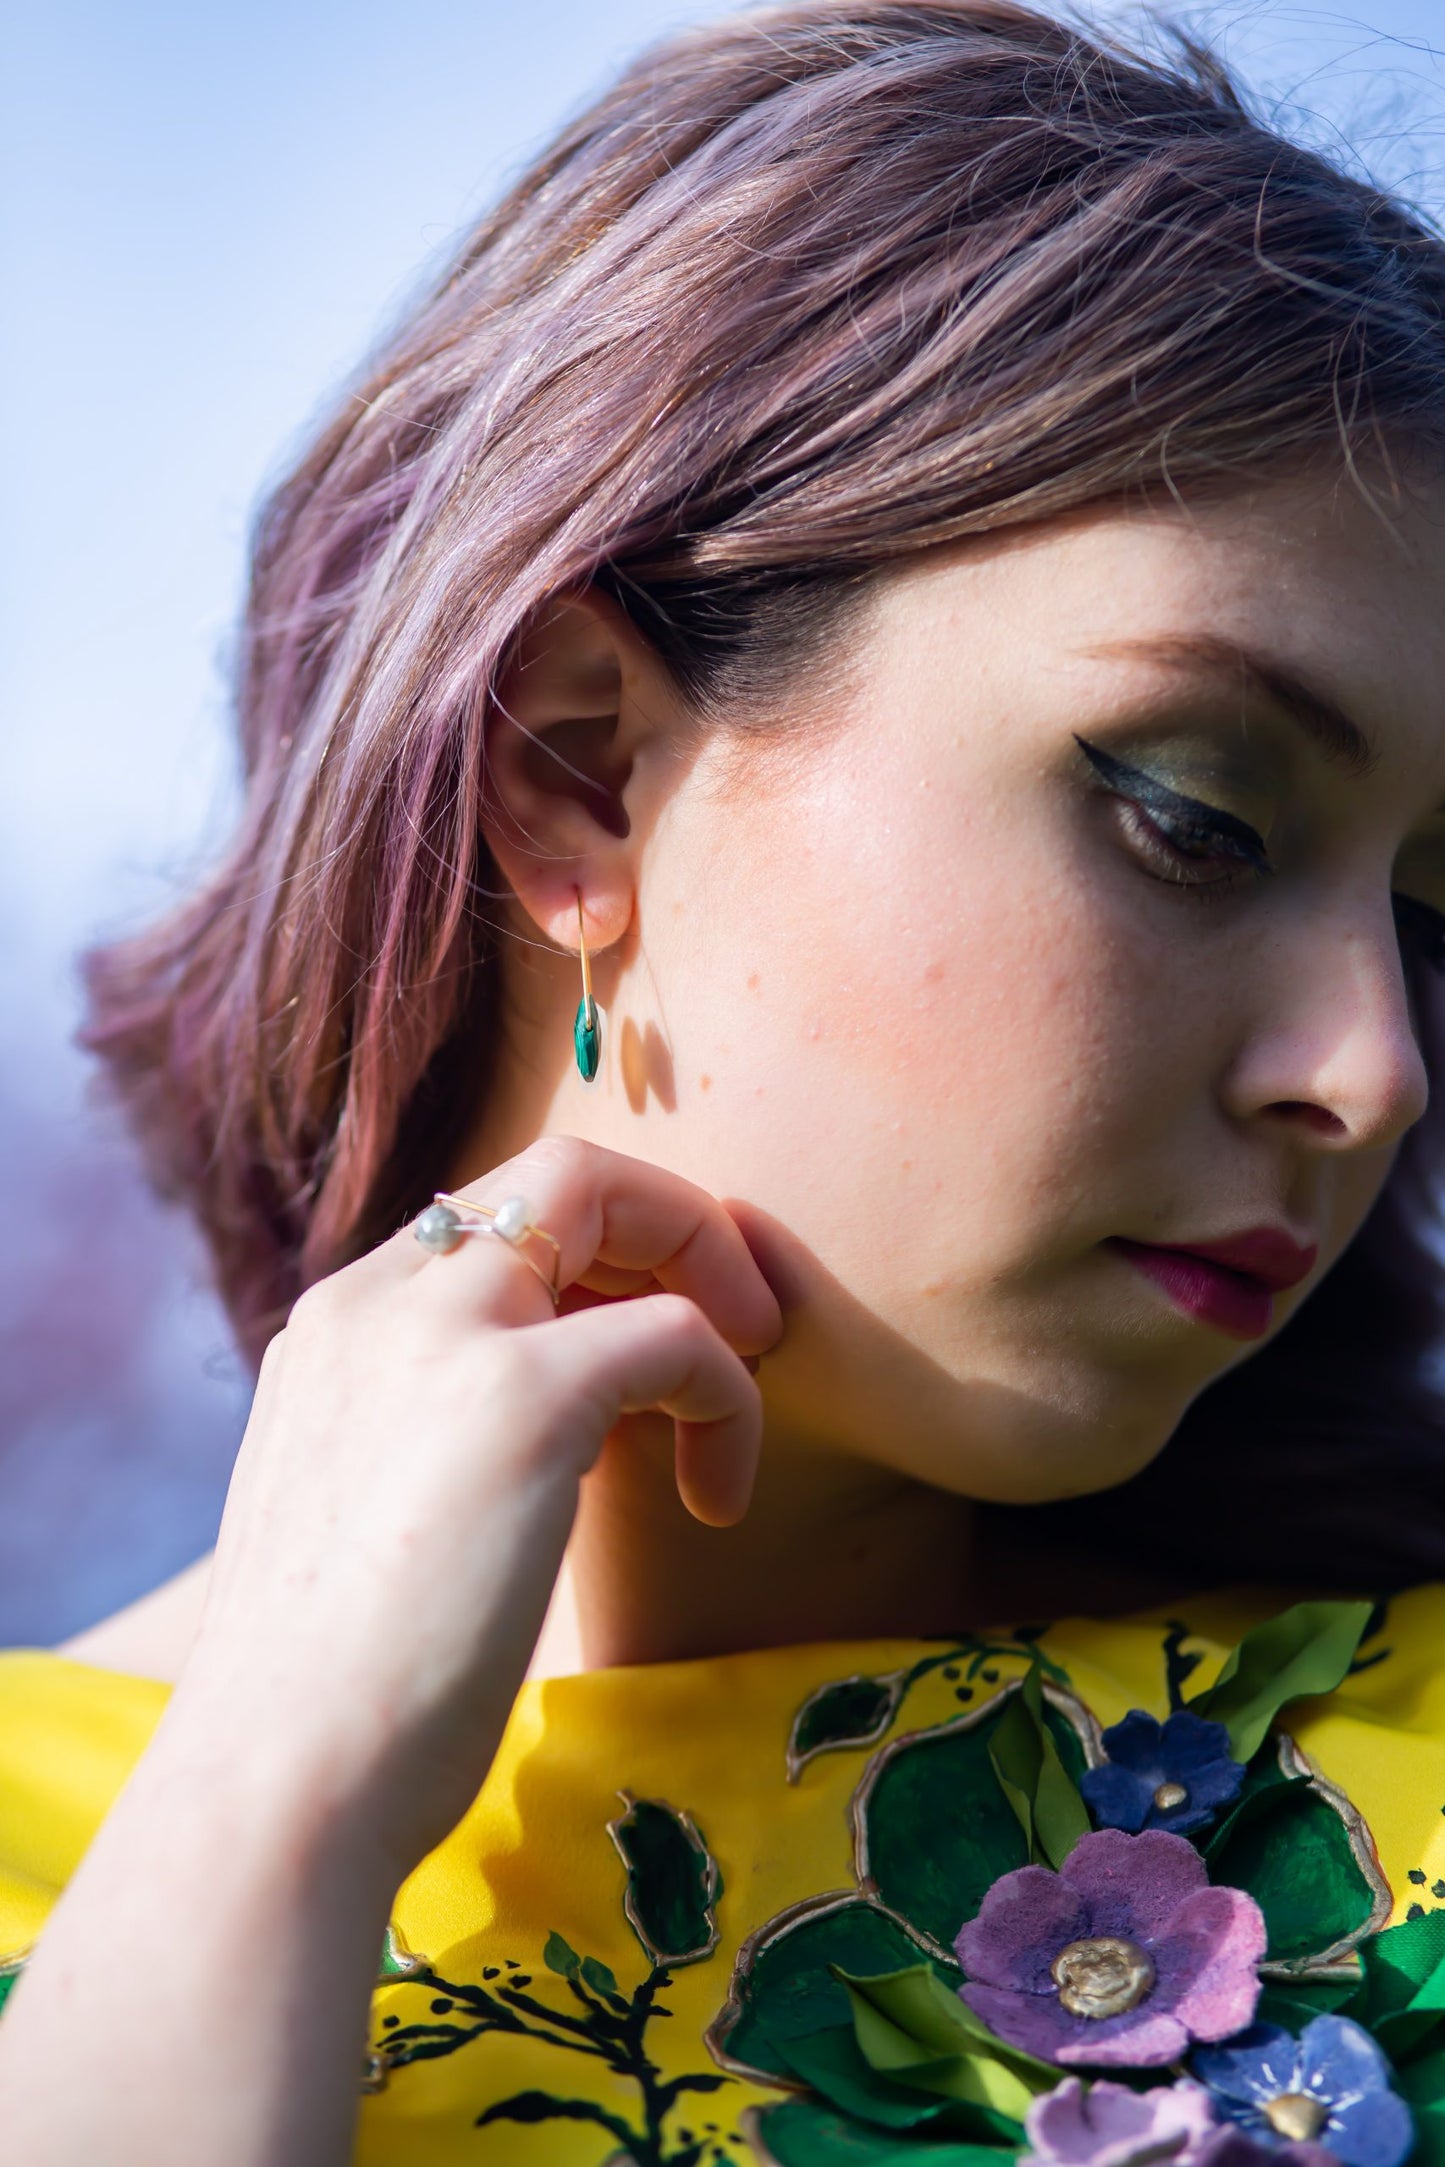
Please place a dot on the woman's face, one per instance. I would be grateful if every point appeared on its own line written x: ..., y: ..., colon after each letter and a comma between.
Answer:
x: 1061, y: 942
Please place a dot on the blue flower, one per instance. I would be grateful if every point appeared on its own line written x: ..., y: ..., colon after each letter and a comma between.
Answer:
x: 1331, y: 2086
x: 1173, y: 1775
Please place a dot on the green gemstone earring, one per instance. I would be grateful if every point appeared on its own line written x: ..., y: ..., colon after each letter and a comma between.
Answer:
x: 587, y: 1029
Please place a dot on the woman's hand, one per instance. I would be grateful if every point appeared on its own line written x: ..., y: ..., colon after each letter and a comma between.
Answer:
x: 399, y: 1509
x: 409, y: 1476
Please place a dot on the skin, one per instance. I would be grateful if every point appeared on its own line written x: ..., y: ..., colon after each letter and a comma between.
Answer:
x: 937, y: 1020
x: 906, y: 913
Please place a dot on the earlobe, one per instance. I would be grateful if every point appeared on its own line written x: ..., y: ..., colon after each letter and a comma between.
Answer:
x: 559, y: 764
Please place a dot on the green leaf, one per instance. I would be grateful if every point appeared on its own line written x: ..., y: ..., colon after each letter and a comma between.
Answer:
x: 7, y: 1983
x: 1401, y: 1964
x: 397, y: 1960
x: 1263, y: 1780
x: 1287, y: 1847
x: 833, y: 2065
x: 1422, y: 2081
x: 1045, y: 1802
x: 914, y: 2029
x: 786, y: 1989
x: 1429, y: 2148
x: 1401, y: 1998
x: 672, y: 1881
x: 937, y: 1828
x: 849, y: 1712
x: 918, y: 2002
x: 1304, y: 1651
x: 1299, y: 2003
x: 561, y: 1957
x: 799, y: 2133
x: 601, y: 1980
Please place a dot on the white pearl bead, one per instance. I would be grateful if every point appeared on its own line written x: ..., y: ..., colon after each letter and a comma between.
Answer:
x: 512, y: 1218
x: 438, y: 1229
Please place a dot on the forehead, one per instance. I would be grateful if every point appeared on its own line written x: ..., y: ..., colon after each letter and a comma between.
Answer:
x: 1337, y: 588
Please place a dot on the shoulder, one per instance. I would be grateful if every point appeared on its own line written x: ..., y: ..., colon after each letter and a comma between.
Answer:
x: 150, y: 1638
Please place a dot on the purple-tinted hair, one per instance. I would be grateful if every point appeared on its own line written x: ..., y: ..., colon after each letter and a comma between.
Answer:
x: 805, y: 293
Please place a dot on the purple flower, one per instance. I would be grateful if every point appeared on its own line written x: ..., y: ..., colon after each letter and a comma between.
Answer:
x: 1229, y: 2147
x: 1329, y: 2087
x: 1120, y: 1959
x: 1111, y: 2126
x: 1175, y: 1775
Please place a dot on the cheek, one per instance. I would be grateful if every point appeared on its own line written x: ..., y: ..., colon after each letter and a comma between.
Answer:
x: 1025, y: 1048
x: 949, y: 1041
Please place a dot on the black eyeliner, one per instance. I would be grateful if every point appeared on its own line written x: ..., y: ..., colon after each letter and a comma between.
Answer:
x: 1156, y: 797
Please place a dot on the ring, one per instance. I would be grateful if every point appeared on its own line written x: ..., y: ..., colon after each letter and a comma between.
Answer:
x: 442, y: 1228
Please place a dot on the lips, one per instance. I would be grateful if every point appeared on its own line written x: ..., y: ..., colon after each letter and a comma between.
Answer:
x: 1230, y: 1284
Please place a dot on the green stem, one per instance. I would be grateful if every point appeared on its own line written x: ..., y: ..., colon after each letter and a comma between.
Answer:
x: 497, y: 2016
x: 1180, y: 1663
x: 978, y: 1652
x: 559, y: 2017
x: 562, y: 2110
x: 616, y: 2039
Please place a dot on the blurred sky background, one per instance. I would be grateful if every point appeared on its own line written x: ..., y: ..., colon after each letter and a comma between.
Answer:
x: 211, y: 212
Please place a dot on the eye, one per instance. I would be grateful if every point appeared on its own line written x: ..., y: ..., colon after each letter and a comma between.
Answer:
x: 1178, y: 838
x: 1421, y: 931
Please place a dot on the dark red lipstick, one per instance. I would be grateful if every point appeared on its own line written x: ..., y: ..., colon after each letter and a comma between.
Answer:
x: 1230, y: 1284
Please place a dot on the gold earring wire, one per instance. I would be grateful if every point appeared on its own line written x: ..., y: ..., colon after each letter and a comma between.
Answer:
x: 587, y: 1029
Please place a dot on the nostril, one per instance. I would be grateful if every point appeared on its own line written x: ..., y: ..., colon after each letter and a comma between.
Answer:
x: 1311, y: 1116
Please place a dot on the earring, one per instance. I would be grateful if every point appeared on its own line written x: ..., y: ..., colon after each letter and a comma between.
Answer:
x: 587, y: 1029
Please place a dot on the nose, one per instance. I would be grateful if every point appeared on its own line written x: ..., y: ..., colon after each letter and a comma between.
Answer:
x: 1334, y: 1051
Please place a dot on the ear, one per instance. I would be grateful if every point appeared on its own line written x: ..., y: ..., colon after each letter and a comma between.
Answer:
x: 578, y: 708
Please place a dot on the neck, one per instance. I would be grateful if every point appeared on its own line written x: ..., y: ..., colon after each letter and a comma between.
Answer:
x: 828, y: 1551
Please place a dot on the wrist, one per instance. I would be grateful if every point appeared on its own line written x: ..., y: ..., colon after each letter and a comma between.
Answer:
x: 262, y: 1888
x: 266, y: 1780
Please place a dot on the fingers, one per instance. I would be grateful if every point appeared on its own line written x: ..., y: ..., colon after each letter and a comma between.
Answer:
x: 622, y: 1225
x: 661, y: 1352
x: 624, y: 1228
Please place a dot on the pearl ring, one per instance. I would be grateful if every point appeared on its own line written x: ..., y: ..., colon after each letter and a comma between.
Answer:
x: 441, y: 1228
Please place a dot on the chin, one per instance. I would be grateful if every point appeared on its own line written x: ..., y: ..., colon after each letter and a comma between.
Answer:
x: 1030, y: 1447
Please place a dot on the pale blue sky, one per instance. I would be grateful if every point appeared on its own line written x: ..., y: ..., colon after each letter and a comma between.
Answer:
x: 212, y: 209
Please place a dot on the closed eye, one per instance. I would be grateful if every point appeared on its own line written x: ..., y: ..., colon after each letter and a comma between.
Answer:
x: 1177, y: 837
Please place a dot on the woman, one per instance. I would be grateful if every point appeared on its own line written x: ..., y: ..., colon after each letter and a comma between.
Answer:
x: 845, y: 753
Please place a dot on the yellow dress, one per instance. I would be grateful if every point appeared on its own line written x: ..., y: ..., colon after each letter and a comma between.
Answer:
x: 607, y: 1958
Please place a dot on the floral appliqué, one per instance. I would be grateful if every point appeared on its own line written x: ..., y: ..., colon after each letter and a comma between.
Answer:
x: 1040, y: 1910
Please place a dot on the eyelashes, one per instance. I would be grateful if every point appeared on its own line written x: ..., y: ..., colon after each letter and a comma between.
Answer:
x: 1206, y: 850
x: 1197, y: 834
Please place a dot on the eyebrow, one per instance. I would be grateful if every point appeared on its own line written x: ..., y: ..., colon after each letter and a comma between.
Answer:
x: 1205, y: 656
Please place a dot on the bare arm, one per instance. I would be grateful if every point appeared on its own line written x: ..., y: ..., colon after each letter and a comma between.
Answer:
x: 397, y: 1516
x: 152, y: 1637
x: 201, y: 1990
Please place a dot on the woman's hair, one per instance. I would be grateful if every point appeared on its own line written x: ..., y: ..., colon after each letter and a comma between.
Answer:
x: 804, y: 294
